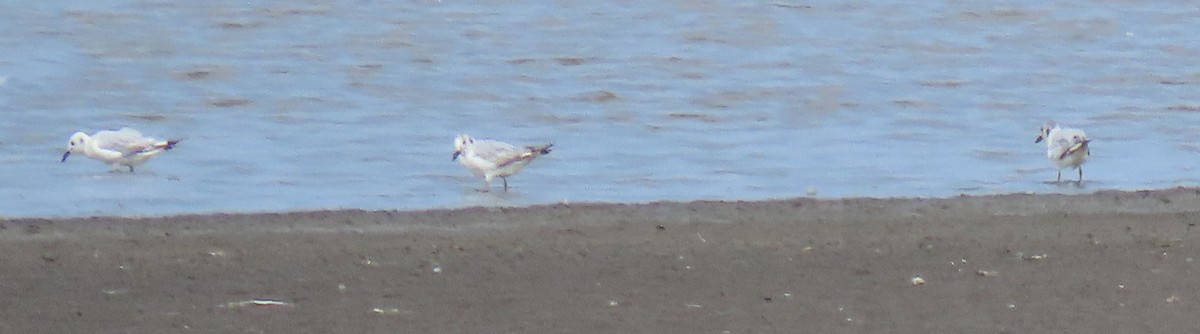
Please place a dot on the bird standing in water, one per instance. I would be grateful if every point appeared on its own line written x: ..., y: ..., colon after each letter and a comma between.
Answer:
x: 122, y: 148
x: 491, y: 159
x: 1065, y: 147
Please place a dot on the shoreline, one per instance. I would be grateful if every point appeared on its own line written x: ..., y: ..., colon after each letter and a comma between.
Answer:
x: 1121, y: 261
x: 1022, y: 199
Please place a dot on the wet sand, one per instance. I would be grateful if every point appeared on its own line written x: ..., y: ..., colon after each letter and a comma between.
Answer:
x: 1104, y: 262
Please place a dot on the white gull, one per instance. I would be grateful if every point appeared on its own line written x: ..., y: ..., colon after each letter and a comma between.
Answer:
x: 491, y: 159
x: 125, y: 147
x: 1065, y: 147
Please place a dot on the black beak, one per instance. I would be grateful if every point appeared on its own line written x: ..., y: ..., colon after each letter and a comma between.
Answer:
x: 1038, y: 140
x: 65, y: 155
x: 454, y: 157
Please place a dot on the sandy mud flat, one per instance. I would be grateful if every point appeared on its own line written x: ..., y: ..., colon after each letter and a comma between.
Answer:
x: 1116, y: 262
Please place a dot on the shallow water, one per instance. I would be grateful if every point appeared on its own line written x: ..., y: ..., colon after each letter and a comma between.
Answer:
x: 289, y: 105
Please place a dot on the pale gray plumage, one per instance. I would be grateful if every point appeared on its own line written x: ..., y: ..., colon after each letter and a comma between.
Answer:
x: 490, y: 159
x: 125, y: 147
x: 1065, y: 147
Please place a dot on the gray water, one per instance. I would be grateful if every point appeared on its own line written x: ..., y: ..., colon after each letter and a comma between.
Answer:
x: 291, y: 105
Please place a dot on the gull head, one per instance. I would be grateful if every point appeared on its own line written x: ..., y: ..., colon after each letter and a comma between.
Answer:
x: 459, y: 144
x: 77, y: 141
x: 1045, y: 132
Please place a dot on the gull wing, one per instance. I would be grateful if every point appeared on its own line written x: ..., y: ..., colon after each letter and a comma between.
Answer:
x: 1064, y: 139
x: 528, y: 153
x: 1074, y: 148
x: 495, y: 152
x: 125, y: 141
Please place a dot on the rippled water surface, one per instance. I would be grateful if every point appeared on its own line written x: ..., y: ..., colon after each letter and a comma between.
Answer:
x: 288, y: 105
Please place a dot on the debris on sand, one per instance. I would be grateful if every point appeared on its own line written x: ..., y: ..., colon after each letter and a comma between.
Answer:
x: 254, y: 302
x: 916, y: 280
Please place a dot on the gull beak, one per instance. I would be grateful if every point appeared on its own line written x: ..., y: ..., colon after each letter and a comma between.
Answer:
x: 454, y: 157
x: 65, y: 155
x: 1038, y: 140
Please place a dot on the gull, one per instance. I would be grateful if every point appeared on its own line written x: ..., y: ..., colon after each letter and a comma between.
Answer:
x: 490, y: 158
x: 1066, y: 147
x: 125, y: 147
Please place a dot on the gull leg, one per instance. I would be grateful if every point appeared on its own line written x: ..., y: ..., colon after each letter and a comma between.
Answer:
x: 131, y: 169
x: 1059, y: 175
x: 1080, y: 175
x: 487, y: 184
x: 505, y: 179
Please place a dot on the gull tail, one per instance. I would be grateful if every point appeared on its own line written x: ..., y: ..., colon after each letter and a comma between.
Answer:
x: 540, y: 150
x: 169, y: 144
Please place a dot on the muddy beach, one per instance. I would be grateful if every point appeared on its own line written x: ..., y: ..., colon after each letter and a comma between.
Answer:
x: 1104, y: 262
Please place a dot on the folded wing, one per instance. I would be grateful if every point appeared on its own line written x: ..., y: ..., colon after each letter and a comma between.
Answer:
x: 125, y: 141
